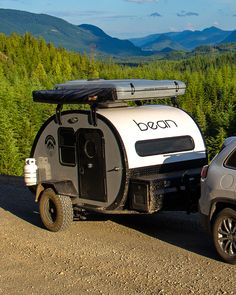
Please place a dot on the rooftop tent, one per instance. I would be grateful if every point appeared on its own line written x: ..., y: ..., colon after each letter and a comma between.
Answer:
x: 88, y: 92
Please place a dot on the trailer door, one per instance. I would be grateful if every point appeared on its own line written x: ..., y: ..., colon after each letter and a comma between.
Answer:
x: 91, y: 164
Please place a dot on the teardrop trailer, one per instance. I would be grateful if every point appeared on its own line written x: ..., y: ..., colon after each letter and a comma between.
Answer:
x: 113, y: 158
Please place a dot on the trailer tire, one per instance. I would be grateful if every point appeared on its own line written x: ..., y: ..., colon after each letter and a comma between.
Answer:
x: 56, y: 211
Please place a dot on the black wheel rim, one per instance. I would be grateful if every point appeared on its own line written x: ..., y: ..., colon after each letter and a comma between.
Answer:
x: 227, y: 236
x: 51, y: 211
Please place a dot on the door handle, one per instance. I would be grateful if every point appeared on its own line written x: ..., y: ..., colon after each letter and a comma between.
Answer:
x: 114, y: 169
x: 81, y: 170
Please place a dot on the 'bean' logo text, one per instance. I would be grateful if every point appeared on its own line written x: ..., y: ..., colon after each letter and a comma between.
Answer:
x: 162, y: 124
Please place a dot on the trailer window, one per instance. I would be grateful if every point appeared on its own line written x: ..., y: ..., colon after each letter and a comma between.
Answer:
x: 164, y: 146
x: 66, y: 139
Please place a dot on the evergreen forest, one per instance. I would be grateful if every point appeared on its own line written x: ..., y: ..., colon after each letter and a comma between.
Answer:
x: 28, y: 64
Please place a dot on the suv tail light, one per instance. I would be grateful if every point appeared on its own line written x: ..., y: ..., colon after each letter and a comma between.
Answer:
x: 204, y: 171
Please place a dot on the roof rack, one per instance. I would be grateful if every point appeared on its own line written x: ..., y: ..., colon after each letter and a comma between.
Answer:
x: 100, y: 91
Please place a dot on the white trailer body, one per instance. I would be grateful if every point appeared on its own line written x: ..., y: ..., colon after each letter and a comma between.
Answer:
x: 115, y: 158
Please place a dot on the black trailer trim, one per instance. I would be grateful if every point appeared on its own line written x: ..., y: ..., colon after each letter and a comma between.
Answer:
x: 168, y: 168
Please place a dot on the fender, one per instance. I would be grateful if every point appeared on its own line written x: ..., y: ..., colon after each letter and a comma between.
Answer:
x: 221, y: 203
x: 64, y: 187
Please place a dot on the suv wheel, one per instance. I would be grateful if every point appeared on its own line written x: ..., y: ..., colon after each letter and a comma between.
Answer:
x: 224, y: 235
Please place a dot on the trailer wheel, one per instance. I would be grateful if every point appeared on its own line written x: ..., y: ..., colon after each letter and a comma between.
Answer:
x: 56, y: 211
x: 224, y: 235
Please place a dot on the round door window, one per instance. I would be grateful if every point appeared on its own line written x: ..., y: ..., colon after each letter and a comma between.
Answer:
x: 90, y: 149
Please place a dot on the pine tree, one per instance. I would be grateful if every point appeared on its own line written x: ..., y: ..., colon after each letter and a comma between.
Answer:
x: 9, y: 152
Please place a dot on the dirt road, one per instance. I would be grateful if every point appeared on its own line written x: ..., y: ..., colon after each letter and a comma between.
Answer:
x: 167, y: 253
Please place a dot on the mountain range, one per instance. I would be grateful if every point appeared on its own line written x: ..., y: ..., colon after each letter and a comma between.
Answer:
x: 87, y: 38
x: 185, y: 40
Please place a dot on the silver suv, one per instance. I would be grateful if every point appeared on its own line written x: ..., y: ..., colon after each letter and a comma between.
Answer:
x: 217, y: 204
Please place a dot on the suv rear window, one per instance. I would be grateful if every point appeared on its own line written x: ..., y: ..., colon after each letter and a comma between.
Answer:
x: 231, y: 160
x: 167, y: 145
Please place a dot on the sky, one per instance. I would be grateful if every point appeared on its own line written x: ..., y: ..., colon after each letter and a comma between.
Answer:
x: 126, y: 19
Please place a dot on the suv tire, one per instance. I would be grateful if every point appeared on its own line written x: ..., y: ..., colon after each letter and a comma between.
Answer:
x: 224, y: 235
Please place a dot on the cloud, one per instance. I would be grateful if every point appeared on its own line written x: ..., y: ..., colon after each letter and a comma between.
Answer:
x: 156, y: 14
x: 184, y: 13
x: 118, y: 16
x: 100, y: 15
x: 74, y: 13
x: 142, y: 1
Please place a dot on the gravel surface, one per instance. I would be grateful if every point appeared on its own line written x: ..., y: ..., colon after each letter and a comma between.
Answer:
x: 166, y: 253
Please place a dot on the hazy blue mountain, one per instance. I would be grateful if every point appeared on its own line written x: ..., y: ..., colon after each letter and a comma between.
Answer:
x: 108, y: 44
x: 230, y: 38
x: 61, y: 33
x: 208, y: 36
x: 163, y: 43
x: 142, y: 41
x: 186, y: 39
